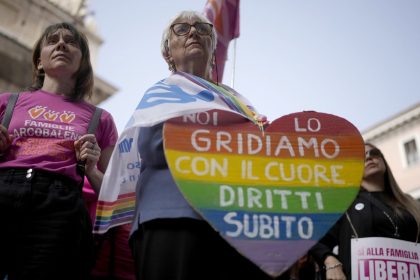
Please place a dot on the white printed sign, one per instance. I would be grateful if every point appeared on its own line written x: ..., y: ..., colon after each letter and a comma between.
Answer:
x: 379, y: 258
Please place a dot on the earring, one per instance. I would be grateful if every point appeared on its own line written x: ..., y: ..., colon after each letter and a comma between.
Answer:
x: 172, y: 66
x: 212, y: 63
x: 40, y: 70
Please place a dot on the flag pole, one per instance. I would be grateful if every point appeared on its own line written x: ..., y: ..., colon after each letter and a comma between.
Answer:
x: 232, y: 81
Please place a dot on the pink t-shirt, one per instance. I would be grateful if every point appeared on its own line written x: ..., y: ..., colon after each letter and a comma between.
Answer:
x: 45, y: 126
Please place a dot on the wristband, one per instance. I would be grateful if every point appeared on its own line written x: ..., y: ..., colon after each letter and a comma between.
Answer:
x: 333, y: 266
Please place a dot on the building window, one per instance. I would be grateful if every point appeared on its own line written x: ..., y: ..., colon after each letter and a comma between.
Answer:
x: 411, y: 152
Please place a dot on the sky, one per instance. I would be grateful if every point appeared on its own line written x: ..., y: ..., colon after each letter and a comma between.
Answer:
x: 357, y: 59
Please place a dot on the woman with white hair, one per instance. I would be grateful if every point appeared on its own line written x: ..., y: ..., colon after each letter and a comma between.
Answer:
x: 170, y: 240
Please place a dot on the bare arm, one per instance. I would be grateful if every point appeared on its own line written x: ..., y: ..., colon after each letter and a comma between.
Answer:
x: 96, y: 160
x: 334, y: 269
x: 96, y: 175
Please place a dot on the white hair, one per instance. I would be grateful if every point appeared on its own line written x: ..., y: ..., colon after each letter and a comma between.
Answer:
x: 164, y: 45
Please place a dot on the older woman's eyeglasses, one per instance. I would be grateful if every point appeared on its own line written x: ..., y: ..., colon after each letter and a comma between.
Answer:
x: 183, y: 28
x: 374, y: 153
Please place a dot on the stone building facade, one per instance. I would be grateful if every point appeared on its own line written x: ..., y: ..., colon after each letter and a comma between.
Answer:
x: 23, y: 21
x: 399, y: 139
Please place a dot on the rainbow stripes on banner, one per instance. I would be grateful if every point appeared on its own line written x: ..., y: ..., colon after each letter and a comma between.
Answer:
x: 272, y: 195
x: 116, y: 212
x: 179, y: 94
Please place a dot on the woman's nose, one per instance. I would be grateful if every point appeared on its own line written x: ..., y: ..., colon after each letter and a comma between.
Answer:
x: 61, y: 44
x: 191, y: 30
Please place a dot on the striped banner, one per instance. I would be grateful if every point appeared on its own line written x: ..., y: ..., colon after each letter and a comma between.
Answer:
x: 179, y: 94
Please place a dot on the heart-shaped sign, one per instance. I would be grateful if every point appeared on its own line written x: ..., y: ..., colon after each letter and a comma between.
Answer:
x: 272, y: 195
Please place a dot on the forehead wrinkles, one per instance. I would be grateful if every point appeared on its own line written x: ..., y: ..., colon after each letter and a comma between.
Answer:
x: 64, y: 31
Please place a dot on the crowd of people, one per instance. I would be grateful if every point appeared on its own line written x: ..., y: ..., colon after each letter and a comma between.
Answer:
x: 49, y: 151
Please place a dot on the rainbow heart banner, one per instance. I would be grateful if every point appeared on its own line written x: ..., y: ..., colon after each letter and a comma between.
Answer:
x: 270, y: 194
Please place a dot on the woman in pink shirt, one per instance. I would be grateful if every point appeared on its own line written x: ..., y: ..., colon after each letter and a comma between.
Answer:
x: 46, y: 231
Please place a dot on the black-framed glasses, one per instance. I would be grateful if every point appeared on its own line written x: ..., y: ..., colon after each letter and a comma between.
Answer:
x: 183, y: 28
x: 374, y: 153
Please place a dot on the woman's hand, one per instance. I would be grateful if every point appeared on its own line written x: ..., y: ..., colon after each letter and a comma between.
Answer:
x: 5, y: 139
x: 88, y: 150
x: 262, y: 119
x: 96, y: 160
x: 334, y: 269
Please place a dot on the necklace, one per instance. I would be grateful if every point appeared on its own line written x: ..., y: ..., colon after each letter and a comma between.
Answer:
x: 380, y: 205
x: 396, y: 234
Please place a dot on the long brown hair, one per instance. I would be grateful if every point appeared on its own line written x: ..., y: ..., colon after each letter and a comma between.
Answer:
x: 84, y: 76
x: 399, y: 199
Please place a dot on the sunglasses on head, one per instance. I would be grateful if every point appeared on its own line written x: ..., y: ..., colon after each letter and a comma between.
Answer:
x: 374, y: 153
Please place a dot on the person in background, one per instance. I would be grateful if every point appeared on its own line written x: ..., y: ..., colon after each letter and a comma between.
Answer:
x: 400, y: 220
x: 170, y: 240
x: 46, y: 231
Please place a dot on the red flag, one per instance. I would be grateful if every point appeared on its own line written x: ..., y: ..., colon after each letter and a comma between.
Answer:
x: 224, y: 14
